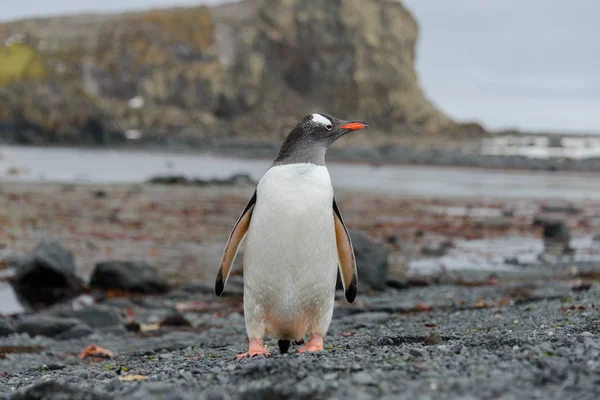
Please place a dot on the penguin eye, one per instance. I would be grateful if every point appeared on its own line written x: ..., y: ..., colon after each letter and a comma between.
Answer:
x: 329, y: 127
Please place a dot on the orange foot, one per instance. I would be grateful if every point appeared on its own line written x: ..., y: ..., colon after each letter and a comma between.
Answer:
x: 314, y: 344
x: 256, y: 348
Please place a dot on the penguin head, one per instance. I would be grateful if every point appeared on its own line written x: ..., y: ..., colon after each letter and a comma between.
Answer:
x: 325, y: 129
x: 309, y: 140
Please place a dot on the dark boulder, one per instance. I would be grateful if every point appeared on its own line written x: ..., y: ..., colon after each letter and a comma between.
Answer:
x: 47, y: 275
x: 130, y: 276
x: 556, y: 235
x: 557, y: 230
x: 54, y: 327
x: 371, y: 262
x: 95, y: 315
x: 7, y: 327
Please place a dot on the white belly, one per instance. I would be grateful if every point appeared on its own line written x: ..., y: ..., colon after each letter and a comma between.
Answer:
x: 290, y: 256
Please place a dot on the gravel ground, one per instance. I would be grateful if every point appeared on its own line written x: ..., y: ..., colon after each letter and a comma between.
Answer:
x: 527, y: 333
x: 535, y: 339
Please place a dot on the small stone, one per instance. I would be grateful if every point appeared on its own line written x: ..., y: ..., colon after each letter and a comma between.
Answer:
x: 331, y: 376
x: 546, y: 347
x: 363, y: 378
x: 114, y: 384
x: 416, y: 352
x: 355, y: 367
x: 433, y: 339
x: 14, y: 381
x: 187, y: 375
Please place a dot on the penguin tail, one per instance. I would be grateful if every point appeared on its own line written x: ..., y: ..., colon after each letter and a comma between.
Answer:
x: 284, y: 345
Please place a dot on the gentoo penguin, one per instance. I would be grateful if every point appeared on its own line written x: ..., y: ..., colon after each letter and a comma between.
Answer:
x: 295, y: 238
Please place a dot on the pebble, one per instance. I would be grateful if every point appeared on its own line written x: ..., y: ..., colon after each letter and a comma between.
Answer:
x: 416, y: 352
x: 355, y: 367
x: 114, y: 384
x: 546, y: 347
x: 363, y: 378
x: 14, y: 381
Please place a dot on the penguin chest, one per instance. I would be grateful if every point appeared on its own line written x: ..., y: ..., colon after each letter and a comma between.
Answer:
x: 290, y: 250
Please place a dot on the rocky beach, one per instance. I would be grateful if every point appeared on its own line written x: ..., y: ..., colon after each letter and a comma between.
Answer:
x: 458, y: 298
x: 130, y: 143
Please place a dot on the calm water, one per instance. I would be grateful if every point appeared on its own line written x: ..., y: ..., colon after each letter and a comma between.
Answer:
x: 118, y: 166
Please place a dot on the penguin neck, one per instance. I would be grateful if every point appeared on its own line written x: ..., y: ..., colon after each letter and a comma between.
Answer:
x: 300, y: 150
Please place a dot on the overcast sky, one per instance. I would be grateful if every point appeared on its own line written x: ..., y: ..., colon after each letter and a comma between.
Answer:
x: 531, y: 64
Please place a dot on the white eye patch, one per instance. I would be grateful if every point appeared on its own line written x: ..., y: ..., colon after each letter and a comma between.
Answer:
x: 319, y: 119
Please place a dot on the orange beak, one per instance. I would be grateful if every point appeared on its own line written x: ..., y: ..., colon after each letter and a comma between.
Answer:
x: 353, y: 126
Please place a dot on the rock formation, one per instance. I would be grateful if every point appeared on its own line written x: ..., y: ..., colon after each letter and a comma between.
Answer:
x: 247, y: 69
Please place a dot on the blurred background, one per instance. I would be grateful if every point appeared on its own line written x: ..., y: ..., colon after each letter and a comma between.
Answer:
x: 137, y: 130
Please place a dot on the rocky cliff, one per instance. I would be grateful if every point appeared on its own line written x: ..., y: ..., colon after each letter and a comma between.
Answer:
x: 247, y: 69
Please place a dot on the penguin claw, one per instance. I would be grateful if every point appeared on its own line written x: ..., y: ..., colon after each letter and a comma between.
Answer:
x: 254, y: 353
x: 314, y: 344
x: 256, y: 349
x: 311, y: 348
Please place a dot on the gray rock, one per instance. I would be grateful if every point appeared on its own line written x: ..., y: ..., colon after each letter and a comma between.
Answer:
x: 56, y: 391
x: 7, y: 327
x: 154, y: 390
x: 131, y: 276
x: 546, y: 347
x: 556, y: 230
x: 60, y: 328
x: 371, y: 262
x: 416, y: 352
x: 98, y: 316
x: 47, y: 275
x: 363, y: 378
x: 95, y: 316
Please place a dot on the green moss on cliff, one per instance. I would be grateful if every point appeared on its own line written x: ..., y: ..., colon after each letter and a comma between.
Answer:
x: 20, y: 62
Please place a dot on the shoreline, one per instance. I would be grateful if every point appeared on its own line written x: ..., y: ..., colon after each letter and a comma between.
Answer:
x: 465, y: 155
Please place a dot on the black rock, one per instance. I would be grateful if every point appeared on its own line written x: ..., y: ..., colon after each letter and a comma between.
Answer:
x: 399, y: 284
x: 131, y: 276
x: 55, y: 391
x: 558, y: 230
x: 54, y: 327
x: 99, y: 194
x: 371, y: 262
x: 176, y: 320
x: 47, y: 275
x: 7, y: 327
